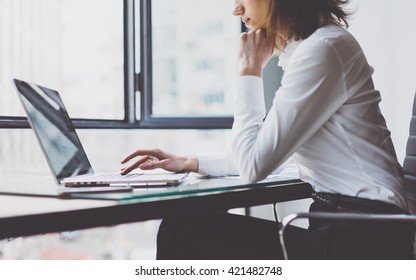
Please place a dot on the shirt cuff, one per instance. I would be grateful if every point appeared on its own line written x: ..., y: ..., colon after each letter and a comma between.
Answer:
x: 217, y: 164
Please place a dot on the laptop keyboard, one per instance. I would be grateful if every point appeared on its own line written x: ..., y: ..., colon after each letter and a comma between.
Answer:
x: 112, y: 176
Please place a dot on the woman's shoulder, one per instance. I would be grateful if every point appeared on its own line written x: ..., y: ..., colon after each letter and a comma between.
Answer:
x: 332, y: 38
x: 330, y: 30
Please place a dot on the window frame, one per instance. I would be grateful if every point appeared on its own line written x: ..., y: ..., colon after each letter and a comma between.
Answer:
x: 136, y: 84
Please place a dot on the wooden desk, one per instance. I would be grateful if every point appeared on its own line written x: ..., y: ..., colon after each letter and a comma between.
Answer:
x: 24, y: 216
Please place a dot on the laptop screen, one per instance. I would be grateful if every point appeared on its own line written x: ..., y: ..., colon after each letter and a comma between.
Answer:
x: 53, y: 128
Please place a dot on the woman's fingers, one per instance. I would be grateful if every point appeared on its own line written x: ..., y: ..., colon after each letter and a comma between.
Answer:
x: 157, y: 153
x: 137, y: 164
x: 255, y: 51
x: 150, y: 159
x: 156, y: 158
x: 154, y: 163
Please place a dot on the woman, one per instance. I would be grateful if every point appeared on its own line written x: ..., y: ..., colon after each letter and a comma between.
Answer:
x: 325, y: 117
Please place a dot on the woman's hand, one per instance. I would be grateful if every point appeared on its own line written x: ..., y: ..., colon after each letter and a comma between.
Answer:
x: 155, y: 158
x: 255, y: 51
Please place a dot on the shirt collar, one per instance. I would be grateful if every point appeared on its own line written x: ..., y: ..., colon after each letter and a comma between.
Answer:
x: 286, y: 55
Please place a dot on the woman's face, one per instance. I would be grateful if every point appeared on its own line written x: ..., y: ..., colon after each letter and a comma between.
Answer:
x: 252, y: 12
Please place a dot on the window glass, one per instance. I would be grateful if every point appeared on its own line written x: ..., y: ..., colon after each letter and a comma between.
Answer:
x: 74, y: 46
x: 194, y: 51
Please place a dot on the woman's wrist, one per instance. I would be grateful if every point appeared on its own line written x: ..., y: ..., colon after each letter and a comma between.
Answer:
x: 247, y: 71
x: 191, y: 164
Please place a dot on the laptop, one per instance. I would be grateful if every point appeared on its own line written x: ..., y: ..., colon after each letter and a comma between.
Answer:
x: 65, y: 155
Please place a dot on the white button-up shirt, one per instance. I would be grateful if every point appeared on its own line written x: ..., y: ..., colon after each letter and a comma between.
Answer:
x: 325, y: 117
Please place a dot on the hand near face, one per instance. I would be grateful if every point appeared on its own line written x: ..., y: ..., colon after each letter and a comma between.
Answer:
x: 255, y: 51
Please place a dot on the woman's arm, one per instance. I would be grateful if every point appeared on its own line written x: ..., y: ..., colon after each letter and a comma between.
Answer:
x: 312, y: 91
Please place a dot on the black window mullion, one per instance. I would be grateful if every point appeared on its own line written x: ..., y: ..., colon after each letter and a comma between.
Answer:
x: 145, y: 87
x: 187, y: 122
x: 13, y: 122
x: 129, y: 62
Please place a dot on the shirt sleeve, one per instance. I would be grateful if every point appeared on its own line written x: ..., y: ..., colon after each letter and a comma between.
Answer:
x: 218, y: 164
x: 312, y: 90
x: 222, y: 164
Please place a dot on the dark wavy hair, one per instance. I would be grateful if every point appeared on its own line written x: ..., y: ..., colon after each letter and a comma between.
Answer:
x: 298, y: 19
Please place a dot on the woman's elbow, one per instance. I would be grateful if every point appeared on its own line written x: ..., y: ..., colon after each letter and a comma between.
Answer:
x: 249, y: 173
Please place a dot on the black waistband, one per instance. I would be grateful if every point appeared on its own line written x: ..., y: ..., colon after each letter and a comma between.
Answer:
x: 344, y: 203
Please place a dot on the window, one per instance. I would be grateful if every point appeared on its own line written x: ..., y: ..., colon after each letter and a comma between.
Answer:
x: 122, y: 64
x: 193, y: 51
x: 60, y: 45
x: 185, y: 67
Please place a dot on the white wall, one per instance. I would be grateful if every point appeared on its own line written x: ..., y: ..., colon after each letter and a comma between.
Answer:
x: 386, y: 30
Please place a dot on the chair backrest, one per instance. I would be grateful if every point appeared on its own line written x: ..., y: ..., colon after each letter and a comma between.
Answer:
x: 409, y: 164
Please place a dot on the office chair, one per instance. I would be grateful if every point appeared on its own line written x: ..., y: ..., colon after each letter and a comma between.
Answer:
x: 409, y: 168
